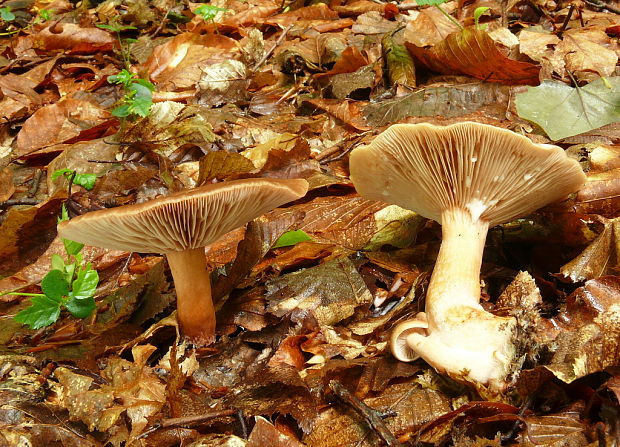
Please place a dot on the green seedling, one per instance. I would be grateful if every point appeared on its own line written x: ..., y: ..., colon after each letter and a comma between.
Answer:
x: 436, y: 4
x: 7, y: 15
x: 208, y: 12
x: 87, y: 181
x: 70, y: 284
x: 122, y: 43
x: 138, y: 97
x: 479, y: 12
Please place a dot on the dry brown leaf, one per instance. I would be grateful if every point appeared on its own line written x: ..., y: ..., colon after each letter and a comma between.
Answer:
x: 265, y: 433
x: 564, y: 429
x: 178, y: 64
x: 57, y: 123
x: 600, y: 194
x: 7, y: 188
x: 349, y: 112
x: 474, y: 53
x: 222, y: 164
x: 600, y: 258
x: 319, y: 11
x: 430, y: 27
x: 588, y: 338
x: 414, y: 406
x: 68, y: 37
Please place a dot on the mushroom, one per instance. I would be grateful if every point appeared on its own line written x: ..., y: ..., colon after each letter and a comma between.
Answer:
x: 180, y: 225
x: 468, y: 177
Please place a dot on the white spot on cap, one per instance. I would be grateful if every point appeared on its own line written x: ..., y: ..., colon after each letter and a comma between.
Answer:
x: 468, y: 181
x: 474, y: 159
x: 526, y: 177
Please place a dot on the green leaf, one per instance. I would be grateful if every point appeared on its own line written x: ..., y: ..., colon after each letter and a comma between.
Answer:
x: 85, y: 283
x: 80, y: 308
x: 563, y: 111
x: 85, y: 180
x: 291, y: 238
x: 115, y: 28
x: 45, y: 14
x: 121, y: 111
x: 42, y: 312
x: 54, y: 285
x: 430, y: 2
x: 208, y: 12
x: 72, y: 247
x: 64, y: 214
x: 142, y: 99
x: 124, y: 77
x: 58, y: 263
x: 6, y: 14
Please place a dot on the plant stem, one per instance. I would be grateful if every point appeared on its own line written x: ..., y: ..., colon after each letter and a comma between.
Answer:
x: 445, y: 13
x: 22, y: 294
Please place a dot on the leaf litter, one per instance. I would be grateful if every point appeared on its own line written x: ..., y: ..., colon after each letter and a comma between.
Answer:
x: 266, y: 89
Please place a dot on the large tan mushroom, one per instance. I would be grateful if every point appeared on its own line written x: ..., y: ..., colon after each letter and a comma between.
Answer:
x: 468, y: 177
x: 180, y: 225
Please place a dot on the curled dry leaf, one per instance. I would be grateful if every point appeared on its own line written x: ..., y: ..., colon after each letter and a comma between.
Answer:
x: 600, y: 258
x: 474, y: 53
x: 265, y: 433
x: 346, y: 111
x: 431, y: 26
x: 565, y: 428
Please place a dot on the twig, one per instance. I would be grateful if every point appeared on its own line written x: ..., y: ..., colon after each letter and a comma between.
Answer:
x: 513, y: 431
x: 244, y: 427
x: 35, y: 182
x: 14, y: 202
x: 571, y: 9
x: 603, y: 5
x: 161, y: 25
x: 275, y: 45
x: 372, y: 416
x: 186, y: 421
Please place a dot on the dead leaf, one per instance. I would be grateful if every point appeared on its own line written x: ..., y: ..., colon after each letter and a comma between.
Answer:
x: 565, y: 428
x: 7, y: 188
x: 222, y: 164
x: 69, y: 37
x: 431, y: 26
x: 57, y: 123
x: 473, y: 52
x: 328, y: 293
x: 600, y: 258
x: 265, y: 433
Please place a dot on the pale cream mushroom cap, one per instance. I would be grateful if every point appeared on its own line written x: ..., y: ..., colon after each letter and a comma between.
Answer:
x: 183, y: 220
x: 494, y: 173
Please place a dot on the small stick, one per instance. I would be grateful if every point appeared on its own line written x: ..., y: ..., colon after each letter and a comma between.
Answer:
x: 244, y: 427
x: 186, y: 421
x: 35, y: 182
x: 603, y: 5
x: 566, y: 20
x: 372, y: 416
x: 275, y: 45
x: 14, y: 202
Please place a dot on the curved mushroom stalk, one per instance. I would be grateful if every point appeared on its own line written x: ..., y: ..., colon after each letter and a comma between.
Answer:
x: 455, y: 334
x: 192, y: 282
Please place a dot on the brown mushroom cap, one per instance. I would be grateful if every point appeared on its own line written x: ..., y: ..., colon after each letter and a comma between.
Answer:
x: 183, y: 220
x: 494, y: 173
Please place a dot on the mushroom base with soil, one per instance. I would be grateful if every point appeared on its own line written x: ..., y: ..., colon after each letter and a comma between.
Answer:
x: 456, y: 335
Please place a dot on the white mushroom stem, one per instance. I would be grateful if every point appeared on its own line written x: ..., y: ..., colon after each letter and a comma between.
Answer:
x: 455, y: 334
x: 456, y: 277
x: 192, y: 282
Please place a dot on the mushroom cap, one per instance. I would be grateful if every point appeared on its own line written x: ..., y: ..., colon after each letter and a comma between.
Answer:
x: 398, y: 339
x: 494, y: 173
x: 183, y: 220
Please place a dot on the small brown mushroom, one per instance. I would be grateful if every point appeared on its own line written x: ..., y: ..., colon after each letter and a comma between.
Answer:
x: 468, y: 177
x: 180, y: 225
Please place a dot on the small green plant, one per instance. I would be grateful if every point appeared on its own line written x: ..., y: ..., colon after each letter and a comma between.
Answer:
x: 71, y: 284
x: 87, y: 181
x: 6, y: 14
x: 123, y: 43
x: 138, y: 97
x: 479, y: 12
x: 208, y: 12
x: 436, y: 4
x: 292, y: 237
